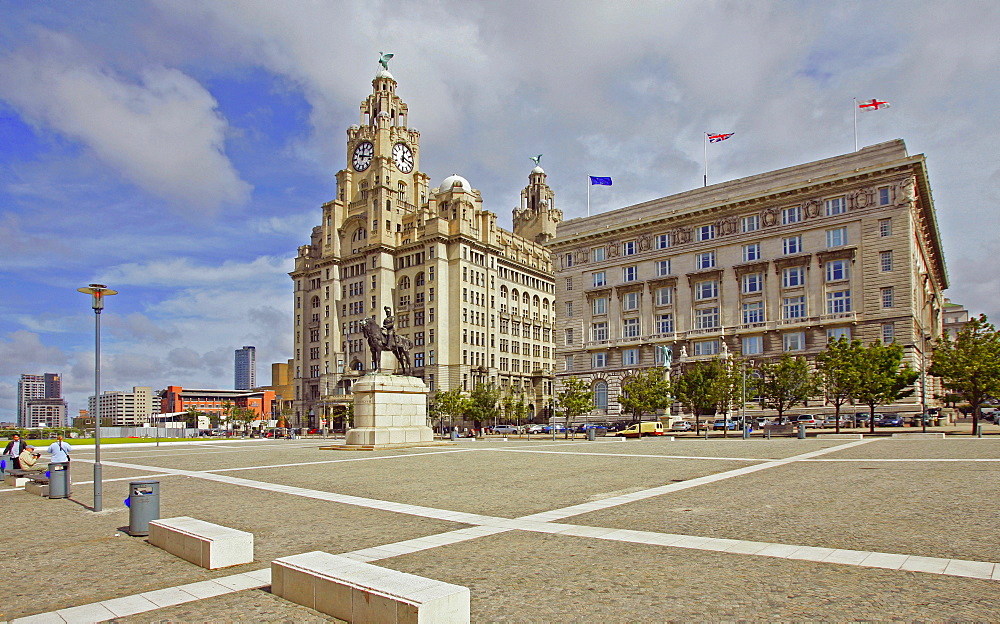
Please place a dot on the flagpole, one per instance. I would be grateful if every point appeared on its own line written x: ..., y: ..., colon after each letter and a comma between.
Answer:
x: 705, y: 179
x: 855, y: 124
x: 589, y: 184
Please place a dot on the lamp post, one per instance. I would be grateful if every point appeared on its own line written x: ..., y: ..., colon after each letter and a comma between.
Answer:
x: 98, y: 292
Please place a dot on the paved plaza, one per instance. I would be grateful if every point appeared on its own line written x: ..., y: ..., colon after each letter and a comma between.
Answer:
x: 539, y: 530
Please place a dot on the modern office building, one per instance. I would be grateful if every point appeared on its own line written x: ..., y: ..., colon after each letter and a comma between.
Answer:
x: 125, y: 409
x: 769, y: 264
x: 176, y: 399
x: 40, y: 402
x: 246, y: 368
x: 476, y: 301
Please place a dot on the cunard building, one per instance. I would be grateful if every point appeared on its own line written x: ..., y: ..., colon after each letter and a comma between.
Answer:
x: 476, y: 301
x: 774, y: 263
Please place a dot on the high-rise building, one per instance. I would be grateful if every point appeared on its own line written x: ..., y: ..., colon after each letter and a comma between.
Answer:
x: 475, y: 300
x: 775, y: 263
x: 246, y: 368
x: 40, y: 402
x: 125, y: 409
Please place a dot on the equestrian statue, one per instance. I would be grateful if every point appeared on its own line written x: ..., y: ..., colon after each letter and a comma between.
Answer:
x: 385, y: 338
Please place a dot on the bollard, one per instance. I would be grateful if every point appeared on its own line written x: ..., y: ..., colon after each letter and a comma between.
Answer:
x: 746, y: 433
x: 454, y: 435
x: 769, y: 433
x: 802, y: 431
x: 591, y: 434
x: 58, y: 479
x: 143, y: 505
x: 979, y: 431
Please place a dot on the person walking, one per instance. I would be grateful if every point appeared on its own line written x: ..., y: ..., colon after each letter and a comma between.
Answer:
x: 14, y: 448
x: 59, y: 450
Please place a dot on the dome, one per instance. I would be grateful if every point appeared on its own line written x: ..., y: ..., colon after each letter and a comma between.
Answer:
x: 454, y: 180
x: 384, y: 74
x: 537, y: 169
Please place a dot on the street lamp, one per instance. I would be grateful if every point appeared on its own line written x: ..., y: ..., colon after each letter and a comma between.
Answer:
x: 98, y: 292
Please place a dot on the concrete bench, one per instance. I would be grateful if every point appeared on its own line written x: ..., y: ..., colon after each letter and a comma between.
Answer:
x: 202, y: 543
x: 18, y: 478
x: 929, y: 434
x: 361, y: 592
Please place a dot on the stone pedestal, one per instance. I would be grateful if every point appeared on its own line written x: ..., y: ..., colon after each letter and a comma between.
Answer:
x: 389, y: 411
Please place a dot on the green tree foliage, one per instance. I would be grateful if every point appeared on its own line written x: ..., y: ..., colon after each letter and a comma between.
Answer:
x: 575, y: 399
x: 450, y: 403
x: 191, y: 417
x: 646, y: 392
x: 969, y: 366
x: 484, y: 403
x: 883, y: 378
x: 785, y: 383
x: 699, y: 387
x: 513, y: 407
x: 840, y: 368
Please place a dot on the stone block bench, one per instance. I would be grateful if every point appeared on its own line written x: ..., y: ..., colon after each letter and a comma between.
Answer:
x: 202, y: 543
x: 19, y: 478
x: 361, y: 592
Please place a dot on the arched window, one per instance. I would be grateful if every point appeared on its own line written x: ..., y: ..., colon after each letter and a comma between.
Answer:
x: 545, y: 304
x: 536, y: 301
x: 526, y: 299
x: 419, y: 279
x: 315, y: 302
x: 359, y: 235
x: 503, y: 292
x: 404, y: 283
x: 515, y: 295
x: 601, y: 394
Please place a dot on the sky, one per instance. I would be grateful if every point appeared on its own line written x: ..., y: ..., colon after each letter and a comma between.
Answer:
x: 180, y: 151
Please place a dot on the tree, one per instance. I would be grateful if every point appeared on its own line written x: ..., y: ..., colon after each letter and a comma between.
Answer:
x: 698, y: 387
x: 784, y: 384
x: 883, y: 380
x: 969, y: 366
x: 840, y: 367
x: 229, y: 412
x: 483, y: 403
x: 646, y: 392
x: 191, y: 417
x: 450, y: 403
x: 513, y: 407
x: 574, y: 399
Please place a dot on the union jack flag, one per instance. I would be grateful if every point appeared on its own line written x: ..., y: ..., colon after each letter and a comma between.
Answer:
x: 718, y: 138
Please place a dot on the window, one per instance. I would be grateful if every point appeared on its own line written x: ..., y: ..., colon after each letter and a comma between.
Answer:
x: 630, y: 301
x: 706, y: 318
x: 836, y: 206
x: 706, y: 347
x: 836, y: 237
x: 836, y: 333
x: 750, y: 223
x: 705, y: 260
x: 888, y: 333
x: 600, y: 305
x: 662, y: 241
x: 568, y: 260
x: 884, y: 227
x: 628, y: 248
x: 569, y: 363
x: 885, y: 260
x: 751, y: 252
x: 569, y: 283
x: 662, y: 268
x: 664, y: 295
x: 838, y: 302
x: 791, y: 215
x: 791, y: 245
x: 599, y: 360
x: 753, y: 345
x: 569, y: 338
x: 418, y: 359
x: 708, y: 289
x: 599, y: 331
x: 752, y: 283
x: 794, y: 341
x: 793, y: 276
x: 883, y: 196
x: 705, y: 232
x: 597, y: 254
x: 793, y: 307
x: 665, y: 323
x: 601, y: 395
x: 630, y: 328
x: 887, y: 297
x: 599, y: 278
x: 753, y: 312
x: 837, y: 270
x: 569, y: 310
x: 629, y: 274
x: 630, y: 357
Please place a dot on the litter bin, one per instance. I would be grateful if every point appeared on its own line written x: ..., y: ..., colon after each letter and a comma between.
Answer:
x: 58, y: 474
x: 5, y: 465
x: 746, y: 433
x: 591, y: 433
x: 143, y: 506
x: 802, y: 431
x: 454, y: 435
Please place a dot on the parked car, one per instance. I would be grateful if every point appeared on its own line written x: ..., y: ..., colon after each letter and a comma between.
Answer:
x: 506, y: 429
x: 809, y: 420
x: 651, y: 428
x: 682, y: 425
x: 536, y: 429
x: 617, y: 426
x: 890, y: 420
x: 722, y: 423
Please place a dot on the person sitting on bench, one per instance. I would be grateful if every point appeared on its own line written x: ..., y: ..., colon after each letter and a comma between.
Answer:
x: 29, y: 458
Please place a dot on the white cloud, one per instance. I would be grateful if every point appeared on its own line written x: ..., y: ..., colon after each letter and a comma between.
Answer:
x: 161, y: 130
x: 182, y: 272
x: 23, y: 352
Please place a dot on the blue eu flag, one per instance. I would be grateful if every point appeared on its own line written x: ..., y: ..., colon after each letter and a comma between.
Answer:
x: 600, y: 181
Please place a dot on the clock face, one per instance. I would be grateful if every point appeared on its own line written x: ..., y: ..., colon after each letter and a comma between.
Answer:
x: 403, y: 157
x: 363, y: 156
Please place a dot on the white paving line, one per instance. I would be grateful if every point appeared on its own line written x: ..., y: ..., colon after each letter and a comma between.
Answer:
x: 516, y: 450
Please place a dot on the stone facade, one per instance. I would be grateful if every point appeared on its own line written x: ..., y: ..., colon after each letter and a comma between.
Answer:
x: 437, y: 258
x: 773, y: 263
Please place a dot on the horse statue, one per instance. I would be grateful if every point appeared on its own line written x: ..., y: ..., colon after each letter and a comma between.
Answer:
x: 386, y: 339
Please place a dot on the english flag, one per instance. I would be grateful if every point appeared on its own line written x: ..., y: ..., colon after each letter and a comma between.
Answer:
x: 718, y: 138
x: 872, y: 105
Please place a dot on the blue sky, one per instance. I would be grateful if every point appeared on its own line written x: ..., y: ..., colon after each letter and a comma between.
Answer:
x: 180, y: 151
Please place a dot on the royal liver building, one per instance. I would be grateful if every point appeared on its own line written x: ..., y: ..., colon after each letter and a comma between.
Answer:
x: 476, y: 301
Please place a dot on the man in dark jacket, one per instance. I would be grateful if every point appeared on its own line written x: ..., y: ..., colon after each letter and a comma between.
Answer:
x: 14, y: 449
